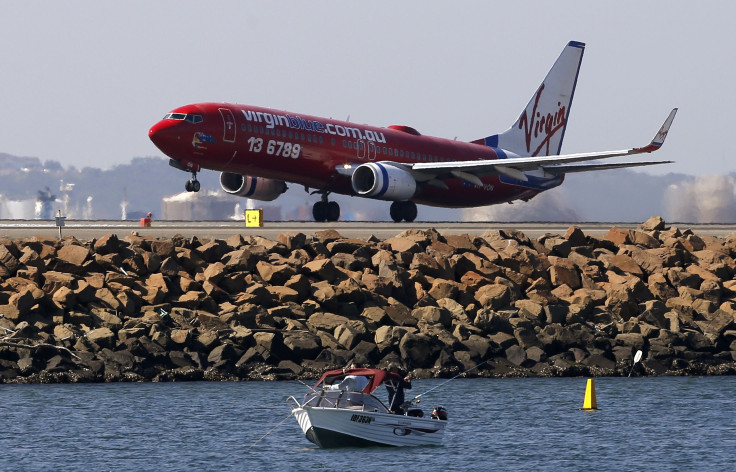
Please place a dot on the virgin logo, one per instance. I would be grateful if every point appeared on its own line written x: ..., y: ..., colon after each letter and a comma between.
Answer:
x: 541, y: 126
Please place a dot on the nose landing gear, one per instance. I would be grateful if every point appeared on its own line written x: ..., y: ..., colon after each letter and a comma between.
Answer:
x: 192, y: 184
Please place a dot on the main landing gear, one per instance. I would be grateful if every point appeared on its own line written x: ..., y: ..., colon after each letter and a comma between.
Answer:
x: 325, y: 210
x: 403, y: 211
x: 192, y: 184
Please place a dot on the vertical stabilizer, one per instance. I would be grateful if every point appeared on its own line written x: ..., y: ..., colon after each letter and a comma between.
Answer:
x: 541, y: 126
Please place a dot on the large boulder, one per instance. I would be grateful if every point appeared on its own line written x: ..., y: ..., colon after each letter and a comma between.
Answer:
x: 351, y: 333
x: 325, y: 321
x: 71, y: 257
x: 563, y: 272
x: 103, y: 337
x: 433, y: 315
x: 302, y: 345
x: 322, y: 269
x: 275, y: 274
x: 555, y: 338
x: 493, y: 296
x: 419, y: 350
x: 400, y: 315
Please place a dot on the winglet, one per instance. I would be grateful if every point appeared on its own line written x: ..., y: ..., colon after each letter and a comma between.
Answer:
x: 659, y: 138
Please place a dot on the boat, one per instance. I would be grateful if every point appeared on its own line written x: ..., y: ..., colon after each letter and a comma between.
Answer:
x: 342, y: 411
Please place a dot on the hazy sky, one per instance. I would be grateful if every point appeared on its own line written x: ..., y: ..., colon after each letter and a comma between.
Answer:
x: 83, y: 81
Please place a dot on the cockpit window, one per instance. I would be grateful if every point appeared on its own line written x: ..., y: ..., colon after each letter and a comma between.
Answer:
x: 190, y: 117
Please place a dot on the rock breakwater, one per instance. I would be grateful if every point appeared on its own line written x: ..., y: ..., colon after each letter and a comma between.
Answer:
x: 141, y: 308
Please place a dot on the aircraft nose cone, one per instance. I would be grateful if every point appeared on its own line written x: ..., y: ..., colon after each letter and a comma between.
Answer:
x: 164, y: 135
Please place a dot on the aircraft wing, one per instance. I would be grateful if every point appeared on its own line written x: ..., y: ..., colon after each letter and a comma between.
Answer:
x: 471, y: 171
x: 559, y: 170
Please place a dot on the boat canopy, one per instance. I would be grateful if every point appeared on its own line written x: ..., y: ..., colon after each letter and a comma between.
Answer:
x: 375, y: 377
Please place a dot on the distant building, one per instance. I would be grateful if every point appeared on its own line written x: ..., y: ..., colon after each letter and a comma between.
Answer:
x: 17, y: 209
x: 208, y: 205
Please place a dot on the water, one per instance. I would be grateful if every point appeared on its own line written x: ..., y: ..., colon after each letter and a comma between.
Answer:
x: 664, y: 423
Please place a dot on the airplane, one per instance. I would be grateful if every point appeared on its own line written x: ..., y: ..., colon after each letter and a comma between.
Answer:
x: 258, y: 150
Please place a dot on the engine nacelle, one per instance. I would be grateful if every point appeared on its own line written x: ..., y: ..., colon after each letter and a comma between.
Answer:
x: 383, y: 181
x: 256, y: 188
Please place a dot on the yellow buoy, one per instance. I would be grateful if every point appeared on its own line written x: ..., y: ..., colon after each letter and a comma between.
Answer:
x: 590, y: 403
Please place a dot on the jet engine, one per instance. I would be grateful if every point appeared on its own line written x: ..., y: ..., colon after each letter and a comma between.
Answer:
x: 256, y: 188
x: 383, y: 181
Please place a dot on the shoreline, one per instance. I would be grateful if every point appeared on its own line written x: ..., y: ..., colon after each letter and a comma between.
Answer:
x: 250, y: 308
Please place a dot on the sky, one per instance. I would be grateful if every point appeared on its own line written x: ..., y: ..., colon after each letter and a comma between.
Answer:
x: 83, y: 81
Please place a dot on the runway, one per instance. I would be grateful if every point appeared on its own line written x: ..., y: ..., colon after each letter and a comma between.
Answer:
x: 85, y: 230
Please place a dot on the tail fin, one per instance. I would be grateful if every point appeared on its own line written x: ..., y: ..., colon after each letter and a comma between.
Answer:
x: 541, y: 127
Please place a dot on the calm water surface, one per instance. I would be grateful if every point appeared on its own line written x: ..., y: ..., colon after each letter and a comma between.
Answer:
x: 671, y: 423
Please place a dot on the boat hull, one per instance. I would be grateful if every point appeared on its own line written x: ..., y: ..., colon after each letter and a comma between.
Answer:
x: 335, y: 427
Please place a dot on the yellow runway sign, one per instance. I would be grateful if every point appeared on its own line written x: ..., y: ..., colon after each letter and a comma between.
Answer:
x: 254, y: 218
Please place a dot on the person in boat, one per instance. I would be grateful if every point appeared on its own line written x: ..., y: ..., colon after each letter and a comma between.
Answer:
x: 352, y: 383
x: 395, y: 385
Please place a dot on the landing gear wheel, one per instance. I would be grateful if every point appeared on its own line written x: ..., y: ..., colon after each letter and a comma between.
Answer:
x: 410, y: 211
x: 319, y: 211
x: 333, y: 211
x: 395, y: 212
x: 326, y: 211
x: 192, y: 185
x: 406, y: 211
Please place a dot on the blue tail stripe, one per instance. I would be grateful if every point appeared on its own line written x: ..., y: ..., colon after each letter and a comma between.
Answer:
x: 492, y: 141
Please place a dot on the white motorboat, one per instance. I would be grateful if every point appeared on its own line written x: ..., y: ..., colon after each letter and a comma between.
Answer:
x: 341, y: 410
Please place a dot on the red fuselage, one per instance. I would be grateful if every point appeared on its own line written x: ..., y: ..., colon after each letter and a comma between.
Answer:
x: 310, y: 151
